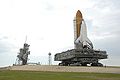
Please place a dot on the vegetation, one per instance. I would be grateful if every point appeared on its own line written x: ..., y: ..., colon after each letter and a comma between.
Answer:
x: 36, y: 75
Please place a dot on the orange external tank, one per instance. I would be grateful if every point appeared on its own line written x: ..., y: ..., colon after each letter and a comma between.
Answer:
x: 78, y: 22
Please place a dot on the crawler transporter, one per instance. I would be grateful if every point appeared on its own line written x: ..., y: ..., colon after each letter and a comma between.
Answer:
x: 83, y: 52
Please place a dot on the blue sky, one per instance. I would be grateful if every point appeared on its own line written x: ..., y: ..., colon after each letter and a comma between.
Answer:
x: 48, y: 25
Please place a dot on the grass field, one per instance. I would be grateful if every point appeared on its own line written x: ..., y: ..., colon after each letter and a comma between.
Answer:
x: 36, y: 75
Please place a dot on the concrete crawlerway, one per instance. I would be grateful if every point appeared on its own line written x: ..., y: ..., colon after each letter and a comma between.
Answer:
x: 67, y: 68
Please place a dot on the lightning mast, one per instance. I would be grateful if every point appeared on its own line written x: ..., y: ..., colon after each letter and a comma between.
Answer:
x: 49, y: 59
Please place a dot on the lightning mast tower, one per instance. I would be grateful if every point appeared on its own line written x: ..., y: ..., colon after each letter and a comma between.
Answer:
x: 49, y: 59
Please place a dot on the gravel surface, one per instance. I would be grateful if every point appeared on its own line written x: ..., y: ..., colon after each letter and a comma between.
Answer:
x: 66, y: 68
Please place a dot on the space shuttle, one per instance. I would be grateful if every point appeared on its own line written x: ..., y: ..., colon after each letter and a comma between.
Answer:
x: 80, y: 33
